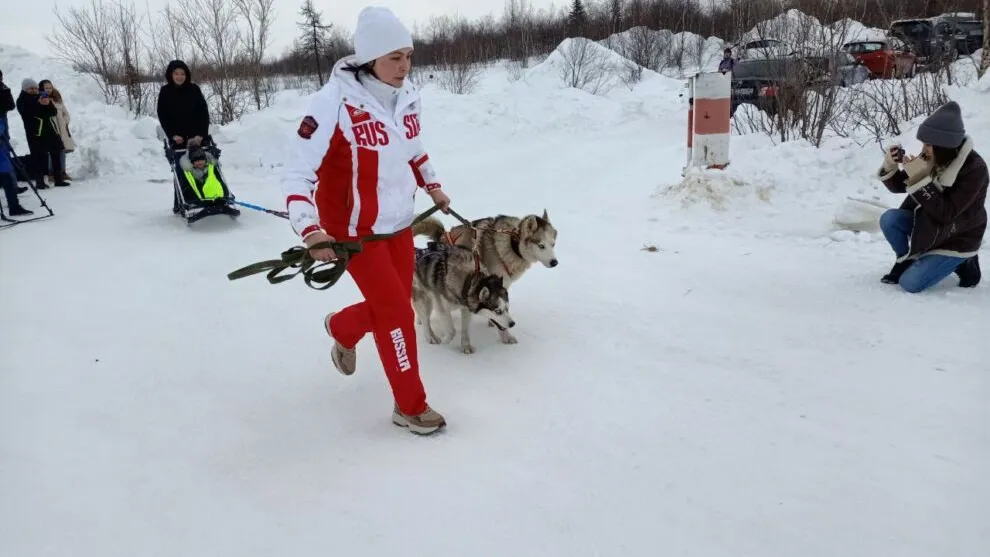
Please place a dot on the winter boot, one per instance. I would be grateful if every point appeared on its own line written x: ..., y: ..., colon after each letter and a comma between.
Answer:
x: 20, y: 212
x: 430, y: 421
x: 344, y: 359
x: 894, y: 276
x: 66, y: 177
x: 969, y: 272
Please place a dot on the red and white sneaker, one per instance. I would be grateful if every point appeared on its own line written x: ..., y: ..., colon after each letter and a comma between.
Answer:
x: 344, y: 359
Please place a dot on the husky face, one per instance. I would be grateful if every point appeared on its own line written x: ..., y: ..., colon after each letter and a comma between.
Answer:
x: 537, y: 239
x: 494, y: 302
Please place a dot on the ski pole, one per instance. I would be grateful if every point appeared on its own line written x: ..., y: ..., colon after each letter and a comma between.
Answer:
x: 283, y: 214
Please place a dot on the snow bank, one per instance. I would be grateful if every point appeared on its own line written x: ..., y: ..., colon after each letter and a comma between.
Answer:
x: 109, y: 141
x: 582, y: 64
x: 671, y: 54
x: 807, y: 34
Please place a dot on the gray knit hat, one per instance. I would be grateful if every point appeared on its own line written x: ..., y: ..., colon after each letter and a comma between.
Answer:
x: 28, y: 83
x: 944, y: 128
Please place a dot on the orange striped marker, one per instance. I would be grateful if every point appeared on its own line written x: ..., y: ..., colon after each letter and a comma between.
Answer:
x: 709, y: 125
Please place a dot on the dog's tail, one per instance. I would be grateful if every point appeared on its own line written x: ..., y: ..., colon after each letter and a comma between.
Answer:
x: 430, y: 227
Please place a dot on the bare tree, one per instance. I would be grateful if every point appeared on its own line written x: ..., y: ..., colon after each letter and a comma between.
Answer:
x: 87, y: 40
x: 644, y: 47
x: 210, y: 27
x: 585, y: 65
x: 459, y: 77
x: 128, y: 31
x: 165, y: 40
x: 258, y: 17
x: 880, y: 107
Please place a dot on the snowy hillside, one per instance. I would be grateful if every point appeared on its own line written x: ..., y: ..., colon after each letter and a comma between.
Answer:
x: 712, y: 369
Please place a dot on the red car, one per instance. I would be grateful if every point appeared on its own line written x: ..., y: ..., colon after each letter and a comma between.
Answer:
x: 885, y: 58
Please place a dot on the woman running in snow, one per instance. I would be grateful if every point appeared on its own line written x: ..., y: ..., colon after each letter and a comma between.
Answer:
x: 357, y: 162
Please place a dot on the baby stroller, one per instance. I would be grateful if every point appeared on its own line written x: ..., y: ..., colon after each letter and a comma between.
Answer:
x: 191, y: 201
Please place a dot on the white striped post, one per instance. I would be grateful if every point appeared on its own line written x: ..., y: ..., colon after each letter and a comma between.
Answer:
x: 709, y: 117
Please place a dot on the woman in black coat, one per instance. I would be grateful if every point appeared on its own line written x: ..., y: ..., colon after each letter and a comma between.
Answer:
x: 182, y: 109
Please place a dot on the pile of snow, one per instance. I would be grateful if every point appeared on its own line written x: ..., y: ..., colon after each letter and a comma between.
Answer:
x: 672, y: 54
x: 581, y: 64
x: 109, y: 141
x: 807, y: 34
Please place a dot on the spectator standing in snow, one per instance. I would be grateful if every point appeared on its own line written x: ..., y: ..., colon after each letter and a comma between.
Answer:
x: 39, y: 114
x: 940, y: 225
x: 364, y: 124
x: 6, y: 105
x: 62, y: 121
x: 182, y: 110
x: 728, y: 63
x: 8, y: 179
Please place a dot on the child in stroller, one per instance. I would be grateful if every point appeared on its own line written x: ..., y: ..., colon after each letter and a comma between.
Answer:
x: 200, y: 189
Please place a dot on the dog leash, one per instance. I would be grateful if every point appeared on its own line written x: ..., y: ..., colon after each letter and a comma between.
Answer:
x: 301, y: 259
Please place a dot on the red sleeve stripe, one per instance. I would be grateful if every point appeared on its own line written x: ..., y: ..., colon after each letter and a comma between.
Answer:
x: 309, y: 230
x: 420, y: 181
x: 297, y: 197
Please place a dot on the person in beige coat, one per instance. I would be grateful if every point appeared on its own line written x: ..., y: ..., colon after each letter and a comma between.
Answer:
x: 62, y: 120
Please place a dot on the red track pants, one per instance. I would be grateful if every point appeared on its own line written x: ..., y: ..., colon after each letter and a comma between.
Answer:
x: 383, y: 271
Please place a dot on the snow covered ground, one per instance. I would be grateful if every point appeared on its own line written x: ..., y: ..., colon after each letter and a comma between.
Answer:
x: 746, y: 388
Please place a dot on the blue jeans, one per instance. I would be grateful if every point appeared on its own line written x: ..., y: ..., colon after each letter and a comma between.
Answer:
x: 8, y: 180
x: 61, y: 157
x: 927, y: 270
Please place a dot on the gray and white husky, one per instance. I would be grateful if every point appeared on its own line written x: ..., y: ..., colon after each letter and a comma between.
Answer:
x: 448, y: 278
x: 509, y: 246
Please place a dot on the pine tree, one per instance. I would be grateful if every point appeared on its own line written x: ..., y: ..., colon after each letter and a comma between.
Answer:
x: 615, y: 15
x: 577, y: 19
x: 316, y: 36
x: 985, y: 65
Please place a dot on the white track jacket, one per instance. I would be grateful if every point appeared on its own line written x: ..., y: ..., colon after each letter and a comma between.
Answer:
x: 352, y: 168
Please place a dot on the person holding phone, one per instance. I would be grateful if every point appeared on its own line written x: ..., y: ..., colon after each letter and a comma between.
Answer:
x: 939, y: 227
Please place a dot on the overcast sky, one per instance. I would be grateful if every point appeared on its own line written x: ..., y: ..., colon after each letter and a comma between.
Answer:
x: 28, y: 22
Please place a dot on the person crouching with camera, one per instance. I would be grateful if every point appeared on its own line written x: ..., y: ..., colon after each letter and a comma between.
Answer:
x: 939, y: 227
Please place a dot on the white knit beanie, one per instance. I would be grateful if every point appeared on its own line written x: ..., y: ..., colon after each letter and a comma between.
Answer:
x: 379, y: 32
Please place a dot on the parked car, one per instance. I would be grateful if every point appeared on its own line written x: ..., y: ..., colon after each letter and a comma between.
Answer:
x: 763, y: 48
x: 963, y: 29
x: 886, y: 58
x: 767, y: 82
x: 837, y: 69
x: 930, y: 45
